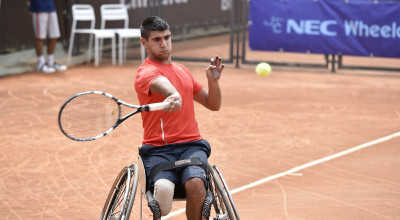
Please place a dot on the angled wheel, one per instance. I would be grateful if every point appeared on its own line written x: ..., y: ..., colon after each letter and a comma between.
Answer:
x: 223, y: 204
x: 120, y: 200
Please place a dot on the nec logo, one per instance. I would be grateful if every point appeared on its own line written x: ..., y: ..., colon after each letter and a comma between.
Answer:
x: 311, y: 27
x: 302, y: 27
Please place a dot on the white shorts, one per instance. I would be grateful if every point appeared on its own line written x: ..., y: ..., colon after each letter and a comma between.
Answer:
x: 45, y: 24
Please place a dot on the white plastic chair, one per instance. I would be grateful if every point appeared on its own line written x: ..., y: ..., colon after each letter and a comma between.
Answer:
x: 119, y: 12
x: 84, y: 12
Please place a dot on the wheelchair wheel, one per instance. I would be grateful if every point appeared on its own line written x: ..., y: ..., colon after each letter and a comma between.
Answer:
x: 120, y: 199
x: 223, y: 204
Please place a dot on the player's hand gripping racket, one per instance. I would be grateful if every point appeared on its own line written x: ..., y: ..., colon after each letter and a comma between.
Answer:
x: 91, y: 115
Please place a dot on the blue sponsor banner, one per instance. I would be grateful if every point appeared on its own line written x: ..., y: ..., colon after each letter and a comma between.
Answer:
x: 362, y: 28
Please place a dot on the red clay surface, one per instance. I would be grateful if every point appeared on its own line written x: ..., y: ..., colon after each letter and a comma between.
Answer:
x: 266, y: 126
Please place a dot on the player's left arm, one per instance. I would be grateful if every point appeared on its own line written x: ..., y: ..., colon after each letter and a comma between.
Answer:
x: 212, y: 98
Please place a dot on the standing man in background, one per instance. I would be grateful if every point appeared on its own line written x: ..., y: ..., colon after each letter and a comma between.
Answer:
x: 45, y: 24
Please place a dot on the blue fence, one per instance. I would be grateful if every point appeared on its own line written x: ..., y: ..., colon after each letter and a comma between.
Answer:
x: 362, y: 28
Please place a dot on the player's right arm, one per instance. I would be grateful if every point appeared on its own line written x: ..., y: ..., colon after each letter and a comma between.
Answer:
x: 163, y: 86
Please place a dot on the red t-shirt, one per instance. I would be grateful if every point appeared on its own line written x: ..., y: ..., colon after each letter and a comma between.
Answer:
x: 161, y: 128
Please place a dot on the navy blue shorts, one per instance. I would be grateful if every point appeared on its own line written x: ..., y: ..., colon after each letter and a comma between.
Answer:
x: 152, y: 156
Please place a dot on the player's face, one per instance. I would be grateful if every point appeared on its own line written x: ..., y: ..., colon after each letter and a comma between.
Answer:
x: 159, y: 46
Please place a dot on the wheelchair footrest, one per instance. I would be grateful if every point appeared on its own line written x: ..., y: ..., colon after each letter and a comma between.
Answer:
x: 207, y: 205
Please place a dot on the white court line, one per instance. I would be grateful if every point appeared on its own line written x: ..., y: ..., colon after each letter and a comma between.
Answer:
x: 301, y: 167
x: 315, y: 162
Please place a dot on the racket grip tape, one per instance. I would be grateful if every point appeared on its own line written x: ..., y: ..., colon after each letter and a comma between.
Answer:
x: 159, y: 106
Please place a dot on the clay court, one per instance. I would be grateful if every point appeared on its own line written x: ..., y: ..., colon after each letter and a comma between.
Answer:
x: 289, y: 131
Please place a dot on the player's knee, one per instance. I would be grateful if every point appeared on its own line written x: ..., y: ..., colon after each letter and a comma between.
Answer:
x: 164, y: 193
x: 195, y: 188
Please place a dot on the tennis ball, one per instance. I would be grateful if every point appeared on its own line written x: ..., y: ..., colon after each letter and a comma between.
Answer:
x: 263, y: 69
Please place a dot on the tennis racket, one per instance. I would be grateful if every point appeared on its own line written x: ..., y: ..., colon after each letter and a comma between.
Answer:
x: 88, y: 116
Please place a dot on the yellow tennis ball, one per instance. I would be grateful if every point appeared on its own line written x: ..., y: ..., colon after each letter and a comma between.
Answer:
x: 263, y: 69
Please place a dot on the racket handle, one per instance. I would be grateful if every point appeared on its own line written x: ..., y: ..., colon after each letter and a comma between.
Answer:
x: 159, y: 106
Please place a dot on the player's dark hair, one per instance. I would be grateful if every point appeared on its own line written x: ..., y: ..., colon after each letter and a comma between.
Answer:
x: 152, y: 23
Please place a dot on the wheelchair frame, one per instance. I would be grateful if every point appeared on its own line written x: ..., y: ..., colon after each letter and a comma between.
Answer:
x: 120, y: 200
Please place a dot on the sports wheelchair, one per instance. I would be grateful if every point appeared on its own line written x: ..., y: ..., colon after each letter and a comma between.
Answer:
x: 118, y: 206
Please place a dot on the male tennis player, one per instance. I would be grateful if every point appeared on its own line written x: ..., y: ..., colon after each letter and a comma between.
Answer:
x: 173, y: 134
x: 45, y: 24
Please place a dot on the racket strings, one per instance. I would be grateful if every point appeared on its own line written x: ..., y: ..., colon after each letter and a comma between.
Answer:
x: 89, y: 115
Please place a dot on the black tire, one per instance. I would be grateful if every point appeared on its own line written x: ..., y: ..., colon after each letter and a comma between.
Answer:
x: 223, y: 204
x: 122, y: 195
